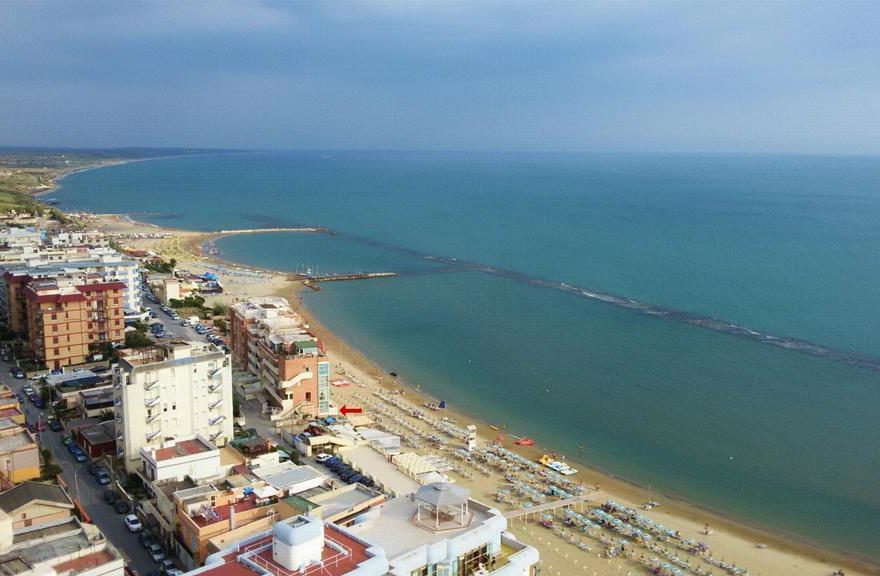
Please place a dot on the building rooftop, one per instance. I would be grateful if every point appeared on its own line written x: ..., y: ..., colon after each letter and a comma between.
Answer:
x: 398, y: 528
x: 15, y: 441
x: 102, y: 433
x: 172, y: 353
x: 282, y: 476
x: 181, y: 448
x: 86, y: 562
x: 27, y: 492
x: 213, y: 515
x: 339, y: 501
x: 341, y: 554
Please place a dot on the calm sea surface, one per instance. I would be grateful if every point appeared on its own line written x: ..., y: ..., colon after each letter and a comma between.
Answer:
x: 706, y: 324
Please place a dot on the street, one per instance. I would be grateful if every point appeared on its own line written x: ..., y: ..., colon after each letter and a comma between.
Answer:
x: 83, y: 486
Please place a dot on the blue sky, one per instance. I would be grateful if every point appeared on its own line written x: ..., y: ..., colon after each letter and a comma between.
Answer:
x: 493, y: 75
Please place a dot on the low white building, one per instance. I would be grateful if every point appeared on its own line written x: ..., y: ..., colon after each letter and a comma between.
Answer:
x: 176, y: 459
x: 177, y: 389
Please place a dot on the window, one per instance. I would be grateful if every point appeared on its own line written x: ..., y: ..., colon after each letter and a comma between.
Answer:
x: 471, y: 561
x: 308, y: 396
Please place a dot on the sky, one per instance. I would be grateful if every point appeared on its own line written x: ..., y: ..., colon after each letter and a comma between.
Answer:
x: 491, y: 75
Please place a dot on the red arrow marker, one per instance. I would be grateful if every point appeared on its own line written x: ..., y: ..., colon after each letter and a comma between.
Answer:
x: 345, y: 410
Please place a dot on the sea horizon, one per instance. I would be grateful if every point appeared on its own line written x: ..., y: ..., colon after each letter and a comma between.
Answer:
x: 451, y: 300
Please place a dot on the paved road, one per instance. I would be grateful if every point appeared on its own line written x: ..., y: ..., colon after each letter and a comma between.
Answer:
x: 83, y: 486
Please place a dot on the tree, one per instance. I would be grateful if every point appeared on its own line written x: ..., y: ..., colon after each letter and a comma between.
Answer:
x: 220, y: 324
x: 48, y: 470
x: 136, y: 339
x: 221, y: 309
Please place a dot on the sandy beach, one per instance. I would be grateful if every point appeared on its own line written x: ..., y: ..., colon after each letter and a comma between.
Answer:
x: 563, y: 549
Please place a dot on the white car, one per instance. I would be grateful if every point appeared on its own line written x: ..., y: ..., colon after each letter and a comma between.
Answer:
x: 132, y: 523
x: 321, y: 458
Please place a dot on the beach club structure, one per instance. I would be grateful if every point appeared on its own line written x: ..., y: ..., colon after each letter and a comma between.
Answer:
x: 438, y: 531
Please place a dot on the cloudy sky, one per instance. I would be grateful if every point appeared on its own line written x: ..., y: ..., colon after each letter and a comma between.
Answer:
x: 628, y: 76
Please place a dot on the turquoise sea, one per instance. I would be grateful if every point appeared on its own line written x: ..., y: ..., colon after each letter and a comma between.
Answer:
x: 709, y: 325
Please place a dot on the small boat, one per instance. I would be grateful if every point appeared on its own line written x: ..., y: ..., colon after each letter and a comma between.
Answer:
x: 493, y: 427
x: 525, y: 441
x: 557, y: 466
x: 547, y: 521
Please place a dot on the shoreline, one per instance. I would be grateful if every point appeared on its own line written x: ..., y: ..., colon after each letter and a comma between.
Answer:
x: 677, y: 508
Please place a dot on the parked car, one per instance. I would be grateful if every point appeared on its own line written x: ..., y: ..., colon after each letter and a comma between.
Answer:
x: 38, y: 427
x: 146, y: 539
x: 80, y: 456
x: 55, y: 425
x: 329, y: 461
x: 110, y: 497
x: 103, y: 478
x: 67, y: 440
x: 121, y: 506
x: 133, y: 523
x: 93, y: 468
x: 17, y: 372
x: 156, y: 553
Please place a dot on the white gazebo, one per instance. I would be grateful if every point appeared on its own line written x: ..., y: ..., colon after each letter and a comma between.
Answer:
x: 442, y: 506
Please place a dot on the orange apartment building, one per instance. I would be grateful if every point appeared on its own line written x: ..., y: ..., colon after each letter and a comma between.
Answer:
x: 15, y: 305
x: 63, y: 319
x: 205, y: 512
x: 269, y: 340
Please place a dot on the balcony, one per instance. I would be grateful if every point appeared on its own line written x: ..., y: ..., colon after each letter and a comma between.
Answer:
x: 150, y: 385
x: 216, y: 435
x: 153, y: 418
x: 215, y: 387
x: 216, y: 405
x: 217, y: 420
x: 150, y: 402
x: 152, y: 435
x: 514, y: 558
x: 216, y: 372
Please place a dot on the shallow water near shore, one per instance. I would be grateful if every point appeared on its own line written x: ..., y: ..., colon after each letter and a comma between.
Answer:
x: 784, y: 246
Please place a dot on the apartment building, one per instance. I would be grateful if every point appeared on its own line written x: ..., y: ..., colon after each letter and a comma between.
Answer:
x: 269, y: 340
x: 64, y: 318
x: 439, y: 531
x: 173, y: 390
x: 110, y: 267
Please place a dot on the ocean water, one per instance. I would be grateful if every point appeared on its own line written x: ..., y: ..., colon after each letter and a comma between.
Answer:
x: 705, y: 324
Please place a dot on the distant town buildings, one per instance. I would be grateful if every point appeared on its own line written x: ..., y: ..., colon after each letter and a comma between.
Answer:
x: 172, y: 390
x: 269, y: 340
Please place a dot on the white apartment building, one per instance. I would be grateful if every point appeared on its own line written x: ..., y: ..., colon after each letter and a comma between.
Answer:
x: 176, y: 389
x: 111, y: 267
